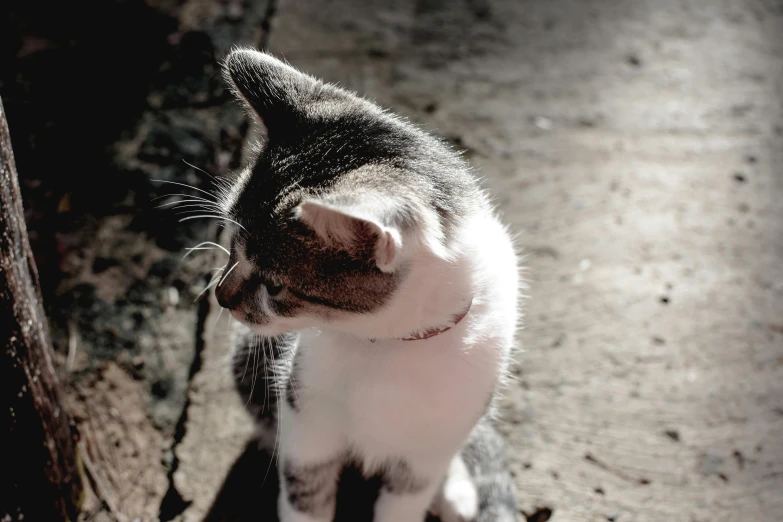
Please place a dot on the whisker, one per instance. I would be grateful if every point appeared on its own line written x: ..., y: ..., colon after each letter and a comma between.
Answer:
x: 179, y: 201
x: 182, y: 212
x: 222, y: 185
x: 213, y: 216
x: 224, y: 249
x: 255, y: 374
x: 204, y: 206
x: 277, y: 435
x: 218, y: 318
x: 291, y: 381
x: 197, y: 168
x: 211, y: 283
x: 198, y: 198
x: 186, y: 186
x: 228, y: 272
x: 247, y: 363
x: 266, y: 379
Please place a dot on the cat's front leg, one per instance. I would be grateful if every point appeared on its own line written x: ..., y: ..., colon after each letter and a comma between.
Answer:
x: 308, y: 490
x: 407, y: 492
x: 457, y: 499
x: 312, y: 455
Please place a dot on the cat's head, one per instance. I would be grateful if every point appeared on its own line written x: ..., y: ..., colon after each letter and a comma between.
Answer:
x: 340, y: 203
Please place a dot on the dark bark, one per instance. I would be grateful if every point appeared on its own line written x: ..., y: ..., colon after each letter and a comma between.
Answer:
x: 40, y: 479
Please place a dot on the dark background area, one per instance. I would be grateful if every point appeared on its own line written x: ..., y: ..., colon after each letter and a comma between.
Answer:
x: 635, y: 147
x: 106, y: 101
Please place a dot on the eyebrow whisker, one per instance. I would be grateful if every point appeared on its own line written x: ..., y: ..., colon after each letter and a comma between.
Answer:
x: 186, y: 186
x: 213, y: 244
x: 214, y: 216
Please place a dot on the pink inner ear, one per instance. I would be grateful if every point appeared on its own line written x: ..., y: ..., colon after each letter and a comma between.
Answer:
x: 337, y: 226
x: 385, y: 249
x: 329, y: 223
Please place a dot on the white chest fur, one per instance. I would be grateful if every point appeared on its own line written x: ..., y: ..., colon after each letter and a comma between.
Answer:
x: 392, y: 398
x: 417, y: 398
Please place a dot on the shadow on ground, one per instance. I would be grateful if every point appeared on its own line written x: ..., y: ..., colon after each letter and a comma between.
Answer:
x: 251, y: 487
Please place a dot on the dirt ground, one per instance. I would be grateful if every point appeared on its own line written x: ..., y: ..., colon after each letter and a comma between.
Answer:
x: 636, y: 150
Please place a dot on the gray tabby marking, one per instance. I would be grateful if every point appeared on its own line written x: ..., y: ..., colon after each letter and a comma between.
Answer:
x: 312, y: 488
x: 485, y: 457
x: 398, y: 478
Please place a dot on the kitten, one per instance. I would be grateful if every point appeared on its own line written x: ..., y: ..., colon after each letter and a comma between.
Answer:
x: 370, y: 275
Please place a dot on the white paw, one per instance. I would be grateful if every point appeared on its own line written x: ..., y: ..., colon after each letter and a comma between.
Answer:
x: 459, y: 502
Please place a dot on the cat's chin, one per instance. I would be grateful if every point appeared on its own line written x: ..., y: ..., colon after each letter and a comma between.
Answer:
x: 269, y: 329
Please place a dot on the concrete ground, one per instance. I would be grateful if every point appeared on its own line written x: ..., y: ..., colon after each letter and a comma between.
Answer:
x: 636, y: 149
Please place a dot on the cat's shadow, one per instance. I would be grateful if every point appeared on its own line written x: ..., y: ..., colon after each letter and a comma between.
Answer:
x: 246, y: 495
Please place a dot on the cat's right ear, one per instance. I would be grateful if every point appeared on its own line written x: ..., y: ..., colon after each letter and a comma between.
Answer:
x: 352, y: 227
x: 273, y: 90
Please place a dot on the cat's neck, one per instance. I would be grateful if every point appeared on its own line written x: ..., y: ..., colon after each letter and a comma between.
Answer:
x: 432, y: 295
x: 429, y: 299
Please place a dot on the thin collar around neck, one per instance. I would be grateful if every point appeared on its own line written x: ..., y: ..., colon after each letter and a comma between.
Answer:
x: 437, y: 330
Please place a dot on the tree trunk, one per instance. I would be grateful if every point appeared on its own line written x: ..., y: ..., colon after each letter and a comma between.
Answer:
x: 40, y: 479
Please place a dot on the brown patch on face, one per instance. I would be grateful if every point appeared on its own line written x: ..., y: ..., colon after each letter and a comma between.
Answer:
x: 285, y: 265
x: 317, y: 276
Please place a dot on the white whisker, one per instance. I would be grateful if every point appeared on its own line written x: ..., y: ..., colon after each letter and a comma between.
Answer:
x: 247, y: 363
x: 211, y: 283
x: 228, y: 272
x: 203, y: 206
x: 291, y: 381
x: 218, y: 318
x: 224, y: 249
x: 198, y: 198
x: 186, y: 186
x: 181, y: 212
x: 277, y: 435
x: 197, y: 168
x: 180, y: 201
x: 266, y: 380
x: 213, y: 216
x: 255, y: 374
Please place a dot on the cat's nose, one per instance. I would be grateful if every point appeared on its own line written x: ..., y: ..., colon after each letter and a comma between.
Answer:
x: 228, y: 296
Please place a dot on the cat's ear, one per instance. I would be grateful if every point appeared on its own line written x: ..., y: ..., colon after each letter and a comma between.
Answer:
x: 275, y: 91
x: 353, y: 228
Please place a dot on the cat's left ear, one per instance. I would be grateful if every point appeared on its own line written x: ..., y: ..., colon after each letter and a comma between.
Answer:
x: 276, y: 92
x: 355, y: 228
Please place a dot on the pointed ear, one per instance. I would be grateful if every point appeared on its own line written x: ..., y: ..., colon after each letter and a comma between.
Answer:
x: 275, y: 91
x: 350, y: 228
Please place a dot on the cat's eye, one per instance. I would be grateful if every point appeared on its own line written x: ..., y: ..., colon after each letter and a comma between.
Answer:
x: 273, y: 289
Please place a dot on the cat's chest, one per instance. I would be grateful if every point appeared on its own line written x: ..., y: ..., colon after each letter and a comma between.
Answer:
x: 386, y: 393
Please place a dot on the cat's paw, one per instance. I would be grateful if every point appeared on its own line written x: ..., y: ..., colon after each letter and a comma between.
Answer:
x: 459, y: 500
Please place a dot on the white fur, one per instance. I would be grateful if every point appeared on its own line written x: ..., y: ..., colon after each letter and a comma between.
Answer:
x: 411, y: 400
x: 458, y: 499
